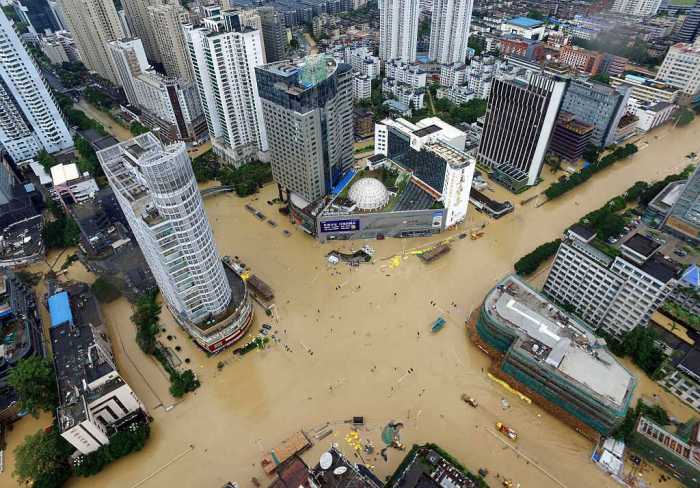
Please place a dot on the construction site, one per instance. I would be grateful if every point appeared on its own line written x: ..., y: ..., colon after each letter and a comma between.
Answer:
x: 555, y: 359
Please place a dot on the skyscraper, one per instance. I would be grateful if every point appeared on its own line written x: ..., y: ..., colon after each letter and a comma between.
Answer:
x: 449, y: 30
x: 29, y: 118
x: 307, y: 107
x: 136, y: 13
x: 684, y: 217
x: 94, y: 23
x: 166, y: 22
x: 691, y: 25
x: 520, y: 117
x: 274, y: 33
x: 224, y: 55
x: 157, y: 191
x: 398, y: 29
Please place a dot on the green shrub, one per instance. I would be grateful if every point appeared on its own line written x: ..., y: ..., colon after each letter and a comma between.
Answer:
x: 104, y: 290
x: 529, y: 263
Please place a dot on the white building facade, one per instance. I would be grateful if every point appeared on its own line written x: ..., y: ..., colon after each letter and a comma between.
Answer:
x: 157, y: 191
x: 449, y: 30
x: 637, y: 8
x: 361, y: 87
x: 650, y: 115
x: 398, y: 29
x: 29, y: 117
x: 224, y: 61
x: 410, y: 74
x: 681, y: 67
x: 616, y: 295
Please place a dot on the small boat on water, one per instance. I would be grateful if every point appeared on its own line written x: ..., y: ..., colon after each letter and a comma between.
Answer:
x: 507, y: 431
x: 438, y: 325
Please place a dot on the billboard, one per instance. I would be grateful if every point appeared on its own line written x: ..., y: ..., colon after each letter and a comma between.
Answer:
x: 345, y: 225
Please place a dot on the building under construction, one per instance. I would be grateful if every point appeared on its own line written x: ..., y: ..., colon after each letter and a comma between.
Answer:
x: 551, y: 357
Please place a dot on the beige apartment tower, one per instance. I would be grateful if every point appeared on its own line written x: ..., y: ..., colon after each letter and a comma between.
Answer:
x: 166, y: 24
x: 94, y: 23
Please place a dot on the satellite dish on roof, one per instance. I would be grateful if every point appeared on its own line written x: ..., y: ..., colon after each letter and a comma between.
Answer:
x: 326, y: 460
x: 340, y: 470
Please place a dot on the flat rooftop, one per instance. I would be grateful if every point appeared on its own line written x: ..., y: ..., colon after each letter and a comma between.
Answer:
x: 557, y: 340
x: 525, y: 22
x: 668, y: 196
x: 76, y: 355
x: 641, y: 244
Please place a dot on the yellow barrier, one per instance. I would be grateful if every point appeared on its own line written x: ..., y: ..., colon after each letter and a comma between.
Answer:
x: 510, y: 389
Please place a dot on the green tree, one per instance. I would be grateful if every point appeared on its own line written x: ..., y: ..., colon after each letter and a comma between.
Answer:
x: 293, y: 43
x: 146, y: 317
x: 46, y: 160
x: 478, y: 44
x: 601, y: 78
x: 104, y: 290
x: 684, y: 117
x: 424, y: 28
x: 529, y: 263
x: 138, y: 129
x: 34, y: 381
x: 43, y: 459
x: 535, y: 14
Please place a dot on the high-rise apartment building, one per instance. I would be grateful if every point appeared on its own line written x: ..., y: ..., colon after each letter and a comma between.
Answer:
x: 614, y: 294
x: 93, y: 24
x: 637, y: 8
x: 129, y: 61
x: 599, y: 105
x: 684, y: 217
x: 307, y: 107
x: 29, y: 117
x: 691, y: 25
x: 157, y: 191
x: 520, y: 116
x: 398, y: 29
x: 224, y: 55
x: 449, y: 30
x: 681, y: 67
x: 138, y: 19
x: 166, y: 22
x: 274, y: 33
x: 169, y: 106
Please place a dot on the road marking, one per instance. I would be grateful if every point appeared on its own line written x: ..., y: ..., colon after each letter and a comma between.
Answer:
x: 520, y: 453
x: 166, y: 465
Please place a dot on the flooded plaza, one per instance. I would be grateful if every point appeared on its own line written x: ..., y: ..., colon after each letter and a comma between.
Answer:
x: 357, y: 342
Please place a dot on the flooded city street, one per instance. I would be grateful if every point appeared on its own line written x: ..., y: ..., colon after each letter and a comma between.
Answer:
x: 357, y: 342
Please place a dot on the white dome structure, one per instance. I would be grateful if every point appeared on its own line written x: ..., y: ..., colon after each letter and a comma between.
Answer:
x: 369, y: 194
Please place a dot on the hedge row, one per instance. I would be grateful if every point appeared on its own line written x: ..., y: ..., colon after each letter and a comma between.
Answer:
x: 560, y: 187
x: 529, y: 263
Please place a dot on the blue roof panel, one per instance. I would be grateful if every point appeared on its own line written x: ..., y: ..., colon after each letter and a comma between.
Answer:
x: 59, y: 309
x: 525, y: 22
x: 692, y: 276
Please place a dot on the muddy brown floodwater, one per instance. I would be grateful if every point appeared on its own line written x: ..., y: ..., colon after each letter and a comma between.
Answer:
x: 357, y: 342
